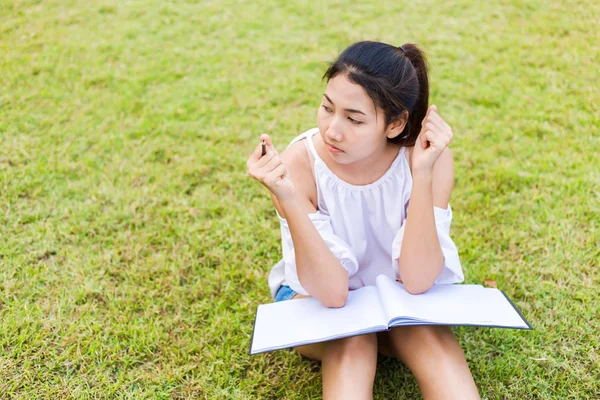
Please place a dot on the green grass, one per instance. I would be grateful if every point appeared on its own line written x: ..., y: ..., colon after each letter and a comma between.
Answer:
x: 134, y: 248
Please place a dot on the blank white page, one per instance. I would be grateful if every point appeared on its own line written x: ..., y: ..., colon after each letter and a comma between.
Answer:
x: 289, y: 323
x: 450, y: 304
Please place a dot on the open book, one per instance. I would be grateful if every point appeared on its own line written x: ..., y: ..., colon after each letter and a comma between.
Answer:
x: 378, y: 308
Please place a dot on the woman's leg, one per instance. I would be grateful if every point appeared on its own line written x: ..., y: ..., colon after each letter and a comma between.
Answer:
x: 435, y: 358
x: 348, y: 365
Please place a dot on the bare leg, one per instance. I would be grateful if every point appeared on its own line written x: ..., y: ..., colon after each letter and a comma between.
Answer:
x: 435, y: 358
x: 348, y: 365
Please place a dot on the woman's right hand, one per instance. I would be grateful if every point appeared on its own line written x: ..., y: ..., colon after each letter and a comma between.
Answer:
x: 270, y: 171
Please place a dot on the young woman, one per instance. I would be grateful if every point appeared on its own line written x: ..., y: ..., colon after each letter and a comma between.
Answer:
x: 366, y: 193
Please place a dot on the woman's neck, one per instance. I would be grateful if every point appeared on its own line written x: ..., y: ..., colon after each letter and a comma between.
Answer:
x: 362, y: 172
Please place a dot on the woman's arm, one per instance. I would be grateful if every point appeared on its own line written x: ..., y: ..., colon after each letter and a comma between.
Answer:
x: 421, y: 259
x: 319, y: 271
x: 432, y: 167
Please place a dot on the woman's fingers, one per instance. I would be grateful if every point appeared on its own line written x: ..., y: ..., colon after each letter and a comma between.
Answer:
x: 260, y: 168
x: 433, y: 117
x: 255, y: 156
x: 264, y: 160
x: 272, y: 164
x: 263, y: 166
x: 423, y: 141
x: 257, y: 153
x: 269, y: 145
x: 437, y: 121
x: 440, y: 122
x: 441, y: 132
x: 429, y: 110
x: 437, y: 142
x: 273, y: 176
x: 266, y: 138
x: 436, y: 124
x: 269, y: 170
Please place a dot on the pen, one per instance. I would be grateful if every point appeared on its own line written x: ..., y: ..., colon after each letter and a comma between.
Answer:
x: 264, y: 148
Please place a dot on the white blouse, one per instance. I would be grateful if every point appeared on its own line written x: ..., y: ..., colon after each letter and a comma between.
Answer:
x: 363, y: 226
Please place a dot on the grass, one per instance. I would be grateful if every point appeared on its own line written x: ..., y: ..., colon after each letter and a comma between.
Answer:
x: 134, y: 248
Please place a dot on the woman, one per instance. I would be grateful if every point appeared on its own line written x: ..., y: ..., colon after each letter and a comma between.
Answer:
x: 366, y: 193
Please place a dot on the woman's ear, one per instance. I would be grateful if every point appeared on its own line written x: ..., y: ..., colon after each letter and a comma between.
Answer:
x: 397, y: 126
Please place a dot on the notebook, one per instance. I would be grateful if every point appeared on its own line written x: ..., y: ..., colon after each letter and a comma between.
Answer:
x: 379, y: 308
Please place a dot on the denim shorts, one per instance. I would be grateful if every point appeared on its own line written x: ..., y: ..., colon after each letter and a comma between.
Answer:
x: 284, y: 293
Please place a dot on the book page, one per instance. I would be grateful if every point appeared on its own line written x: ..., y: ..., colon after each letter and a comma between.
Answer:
x: 295, y: 322
x: 448, y: 304
x: 393, y: 301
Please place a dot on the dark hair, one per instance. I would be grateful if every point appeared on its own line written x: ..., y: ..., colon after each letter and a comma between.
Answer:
x: 395, y: 78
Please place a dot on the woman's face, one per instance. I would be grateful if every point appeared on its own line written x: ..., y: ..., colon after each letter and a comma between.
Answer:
x: 348, y: 120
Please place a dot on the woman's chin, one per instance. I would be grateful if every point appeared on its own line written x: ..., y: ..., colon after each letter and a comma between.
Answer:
x: 340, y: 158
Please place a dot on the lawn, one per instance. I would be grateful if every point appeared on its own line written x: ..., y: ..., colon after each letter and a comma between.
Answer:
x: 134, y: 248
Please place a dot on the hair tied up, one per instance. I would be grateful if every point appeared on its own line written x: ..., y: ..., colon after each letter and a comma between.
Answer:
x: 395, y: 78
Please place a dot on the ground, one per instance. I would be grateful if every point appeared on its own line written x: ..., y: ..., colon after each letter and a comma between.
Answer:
x: 135, y: 249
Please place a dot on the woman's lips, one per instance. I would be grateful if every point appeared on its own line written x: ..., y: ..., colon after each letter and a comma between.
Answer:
x: 333, y: 149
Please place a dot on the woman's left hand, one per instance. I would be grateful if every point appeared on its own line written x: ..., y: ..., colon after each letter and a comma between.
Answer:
x: 435, y: 136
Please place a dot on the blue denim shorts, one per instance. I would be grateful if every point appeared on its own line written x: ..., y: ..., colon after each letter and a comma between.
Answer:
x: 284, y: 293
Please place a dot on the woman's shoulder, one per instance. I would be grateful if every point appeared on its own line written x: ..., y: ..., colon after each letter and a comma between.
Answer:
x: 295, y: 154
x: 298, y: 163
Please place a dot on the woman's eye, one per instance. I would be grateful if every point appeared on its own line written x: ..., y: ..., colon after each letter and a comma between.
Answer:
x: 329, y: 110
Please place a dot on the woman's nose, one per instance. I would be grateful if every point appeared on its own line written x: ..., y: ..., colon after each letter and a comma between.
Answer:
x: 334, y: 133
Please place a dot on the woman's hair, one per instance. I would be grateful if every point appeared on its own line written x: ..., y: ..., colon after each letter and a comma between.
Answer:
x: 395, y: 78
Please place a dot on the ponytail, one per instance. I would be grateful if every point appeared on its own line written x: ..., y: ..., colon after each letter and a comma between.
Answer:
x: 419, y: 110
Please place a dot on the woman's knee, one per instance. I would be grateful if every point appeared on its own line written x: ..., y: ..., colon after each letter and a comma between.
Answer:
x: 434, y: 342
x: 353, y: 347
x: 436, y: 359
x: 441, y: 342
